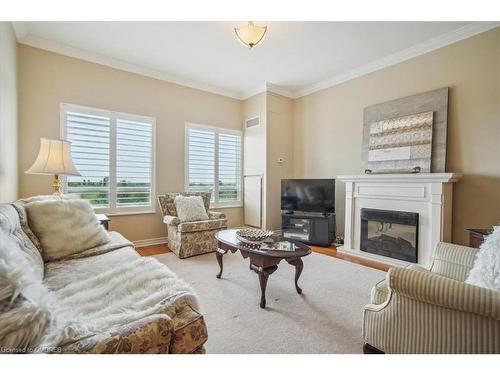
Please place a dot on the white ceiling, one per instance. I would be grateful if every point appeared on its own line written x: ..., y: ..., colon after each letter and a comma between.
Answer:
x: 296, y: 58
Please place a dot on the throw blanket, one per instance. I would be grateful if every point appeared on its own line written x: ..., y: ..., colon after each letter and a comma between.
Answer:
x: 116, y: 297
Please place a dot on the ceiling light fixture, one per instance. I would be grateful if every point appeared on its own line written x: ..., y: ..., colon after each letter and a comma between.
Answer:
x: 250, y: 35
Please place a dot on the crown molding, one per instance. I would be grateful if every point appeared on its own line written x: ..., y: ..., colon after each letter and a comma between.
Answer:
x: 268, y: 87
x: 255, y: 91
x: 20, y: 29
x: 24, y: 37
x: 443, y: 40
x: 280, y: 90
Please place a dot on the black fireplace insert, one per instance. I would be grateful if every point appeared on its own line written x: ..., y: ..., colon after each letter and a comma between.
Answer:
x: 390, y: 233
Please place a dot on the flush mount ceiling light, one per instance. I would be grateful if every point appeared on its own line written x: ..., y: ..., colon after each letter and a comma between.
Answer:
x: 250, y: 35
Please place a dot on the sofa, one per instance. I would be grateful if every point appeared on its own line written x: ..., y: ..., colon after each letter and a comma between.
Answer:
x: 187, y: 239
x: 415, y: 310
x: 106, y: 299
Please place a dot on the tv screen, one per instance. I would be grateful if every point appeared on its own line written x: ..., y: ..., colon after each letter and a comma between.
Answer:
x: 311, y: 195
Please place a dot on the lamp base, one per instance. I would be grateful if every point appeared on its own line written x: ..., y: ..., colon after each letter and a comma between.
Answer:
x: 56, y: 186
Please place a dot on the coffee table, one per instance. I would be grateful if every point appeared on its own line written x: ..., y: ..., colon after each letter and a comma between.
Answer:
x: 263, y: 262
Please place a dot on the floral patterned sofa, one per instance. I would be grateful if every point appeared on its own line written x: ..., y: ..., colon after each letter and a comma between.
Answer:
x: 187, y: 239
x: 168, y: 323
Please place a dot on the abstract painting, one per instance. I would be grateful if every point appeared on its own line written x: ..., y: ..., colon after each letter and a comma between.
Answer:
x: 401, y: 144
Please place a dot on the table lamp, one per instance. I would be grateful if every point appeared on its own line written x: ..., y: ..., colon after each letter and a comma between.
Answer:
x: 54, y: 158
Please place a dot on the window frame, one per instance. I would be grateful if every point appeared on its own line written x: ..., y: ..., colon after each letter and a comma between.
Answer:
x: 113, y: 210
x: 215, y: 193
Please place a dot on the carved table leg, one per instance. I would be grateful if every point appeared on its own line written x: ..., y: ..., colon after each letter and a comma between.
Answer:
x: 218, y: 254
x: 299, y: 265
x: 263, y: 276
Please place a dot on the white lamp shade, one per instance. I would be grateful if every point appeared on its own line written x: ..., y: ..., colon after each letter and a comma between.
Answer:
x: 251, y: 35
x: 54, y: 157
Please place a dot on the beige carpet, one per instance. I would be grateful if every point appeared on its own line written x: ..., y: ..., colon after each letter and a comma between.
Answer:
x: 326, y: 318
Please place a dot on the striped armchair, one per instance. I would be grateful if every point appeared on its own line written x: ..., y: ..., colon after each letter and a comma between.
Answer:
x: 415, y: 310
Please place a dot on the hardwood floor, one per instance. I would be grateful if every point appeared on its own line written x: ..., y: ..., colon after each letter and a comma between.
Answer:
x: 153, y: 250
x: 330, y: 251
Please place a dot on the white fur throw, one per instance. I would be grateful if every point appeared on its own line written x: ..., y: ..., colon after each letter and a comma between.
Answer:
x: 123, y: 294
x: 65, y: 227
x: 24, y: 311
x: 190, y: 208
x: 486, y: 269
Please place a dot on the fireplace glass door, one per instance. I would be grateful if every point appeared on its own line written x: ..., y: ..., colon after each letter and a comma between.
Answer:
x: 390, y: 233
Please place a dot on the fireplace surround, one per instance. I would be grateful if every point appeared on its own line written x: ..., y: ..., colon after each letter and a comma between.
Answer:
x: 429, y: 195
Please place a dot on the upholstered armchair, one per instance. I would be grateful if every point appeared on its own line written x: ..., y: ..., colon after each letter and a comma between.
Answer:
x: 415, y: 310
x: 187, y: 239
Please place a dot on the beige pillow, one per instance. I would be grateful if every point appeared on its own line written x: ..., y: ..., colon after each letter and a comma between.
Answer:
x: 65, y: 227
x: 190, y: 208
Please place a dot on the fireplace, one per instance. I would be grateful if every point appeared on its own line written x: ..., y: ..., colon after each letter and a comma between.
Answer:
x: 392, y: 234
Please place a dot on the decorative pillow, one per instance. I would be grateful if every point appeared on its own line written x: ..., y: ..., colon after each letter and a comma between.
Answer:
x: 190, y: 208
x: 167, y: 201
x: 65, y: 227
x: 486, y: 269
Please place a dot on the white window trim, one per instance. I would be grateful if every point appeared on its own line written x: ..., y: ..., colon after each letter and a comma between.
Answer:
x: 113, y: 115
x: 215, y: 192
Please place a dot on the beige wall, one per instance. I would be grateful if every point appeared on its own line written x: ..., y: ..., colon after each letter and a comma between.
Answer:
x: 318, y: 135
x: 328, y: 124
x: 46, y: 79
x: 8, y: 113
x: 279, y: 145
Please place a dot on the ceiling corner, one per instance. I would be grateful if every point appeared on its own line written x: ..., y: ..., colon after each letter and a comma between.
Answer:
x: 20, y: 29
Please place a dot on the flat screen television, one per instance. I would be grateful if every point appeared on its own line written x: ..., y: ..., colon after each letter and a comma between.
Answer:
x: 308, y: 195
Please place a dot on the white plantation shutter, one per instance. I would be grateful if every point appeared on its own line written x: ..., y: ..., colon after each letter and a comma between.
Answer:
x: 213, y: 163
x: 229, y: 167
x: 134, y: 163
x: 201, y: 160
x: 90, y: 148
x: 114, y: 152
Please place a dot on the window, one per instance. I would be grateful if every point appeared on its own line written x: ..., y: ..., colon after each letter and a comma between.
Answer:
x: 213, y: 163
x: 114, y: 153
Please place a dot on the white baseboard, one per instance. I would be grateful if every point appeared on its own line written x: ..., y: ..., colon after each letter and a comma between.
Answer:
x: 150, y: 242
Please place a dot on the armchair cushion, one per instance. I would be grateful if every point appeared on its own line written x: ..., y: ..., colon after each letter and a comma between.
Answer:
x: 197, y: 226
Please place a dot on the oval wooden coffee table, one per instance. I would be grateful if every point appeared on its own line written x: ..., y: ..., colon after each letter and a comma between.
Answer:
x: 263, y: 262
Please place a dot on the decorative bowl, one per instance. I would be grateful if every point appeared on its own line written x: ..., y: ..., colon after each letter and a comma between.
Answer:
x: 253, y: 235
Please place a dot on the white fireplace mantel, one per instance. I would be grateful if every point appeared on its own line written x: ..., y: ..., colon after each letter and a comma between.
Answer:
x: 428, y: 194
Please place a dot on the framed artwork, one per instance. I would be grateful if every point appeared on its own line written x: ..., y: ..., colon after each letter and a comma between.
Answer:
x: 405, y: 133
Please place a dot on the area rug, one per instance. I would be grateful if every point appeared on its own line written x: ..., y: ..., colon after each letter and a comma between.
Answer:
x: 326, y: 318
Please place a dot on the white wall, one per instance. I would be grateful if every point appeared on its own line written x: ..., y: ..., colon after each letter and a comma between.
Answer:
x: 8, y: 113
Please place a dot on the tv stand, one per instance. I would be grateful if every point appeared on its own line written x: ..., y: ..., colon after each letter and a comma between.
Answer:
x: 315, y: 228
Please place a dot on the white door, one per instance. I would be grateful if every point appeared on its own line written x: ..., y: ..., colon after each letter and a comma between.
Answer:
x: 252, y: 200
